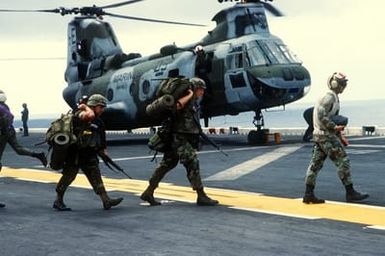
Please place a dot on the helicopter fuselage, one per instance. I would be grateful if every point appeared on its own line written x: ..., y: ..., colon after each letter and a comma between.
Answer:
x: 248, y: 69
x: 245, y: 76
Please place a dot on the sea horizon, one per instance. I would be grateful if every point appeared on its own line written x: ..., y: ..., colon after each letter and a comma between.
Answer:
x: 359, y: 112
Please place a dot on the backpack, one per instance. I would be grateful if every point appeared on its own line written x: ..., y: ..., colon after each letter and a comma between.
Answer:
x: 59, y: 136
x: 175, y: 86
x: 160, y: 140
x: 169, y: 91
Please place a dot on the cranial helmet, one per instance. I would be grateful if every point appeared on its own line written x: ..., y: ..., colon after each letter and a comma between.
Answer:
x: 198, y: 83
x: 97, y: 100
x: 3, y: 97
x: 336, y: 80
x: 198, y: 48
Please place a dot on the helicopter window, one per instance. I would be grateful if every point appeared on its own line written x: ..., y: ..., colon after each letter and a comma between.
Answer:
x: 277, y: 52
x: 146, y: 87
x: 101, y: 47
x: 237, y: 80
x: 255, y: 56
x: 234, y: 61
x: 271, y: 55
x: 288, y: 54
x: 110, y: 94
x: 173, y: 73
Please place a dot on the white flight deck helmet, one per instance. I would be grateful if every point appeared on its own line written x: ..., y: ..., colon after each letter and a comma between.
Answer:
x: 198, y: 49
x: 3, y: 97
x: 337, y: 80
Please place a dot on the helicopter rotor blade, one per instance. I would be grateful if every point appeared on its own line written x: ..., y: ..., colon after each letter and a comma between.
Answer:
x: 120, y: 4
x: 153, y: 20
x: 57, y: 10
x: 273, y: 10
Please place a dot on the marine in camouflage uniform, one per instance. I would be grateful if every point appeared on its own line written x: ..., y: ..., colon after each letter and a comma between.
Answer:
x: 8, y: 135
x: 90, y: 132
x: 329, y: 142
x: 185, y: 138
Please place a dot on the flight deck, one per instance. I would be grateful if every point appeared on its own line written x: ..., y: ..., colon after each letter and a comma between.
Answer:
x: 259, y: 188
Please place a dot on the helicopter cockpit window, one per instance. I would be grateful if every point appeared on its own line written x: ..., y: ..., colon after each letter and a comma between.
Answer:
x: 289, y: 54
x: 255, y: 56
x: 102, y: 46
x: 277, y: 53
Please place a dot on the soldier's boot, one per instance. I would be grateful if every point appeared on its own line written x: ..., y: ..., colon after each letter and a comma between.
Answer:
x: 204, y: 200
x: 59, y: 203
x: 2, y: 205
x: 310, y: 198
x: 41, y: 156
x: 352, y: 195
x: 108, y: 202
x: 148, y: 195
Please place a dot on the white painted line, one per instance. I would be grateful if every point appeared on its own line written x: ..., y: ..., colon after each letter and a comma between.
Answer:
x: 247, y: 167
x: 33, y: 180
x: 200, y: 152
x: 275, y: 213
x: 376, y: 227
x: 366, y: 146
x: 366, y: 138
x: 362, y: 151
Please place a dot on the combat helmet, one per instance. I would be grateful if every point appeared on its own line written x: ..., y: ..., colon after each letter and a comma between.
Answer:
x: 97, y: 100
x: 197, y: 83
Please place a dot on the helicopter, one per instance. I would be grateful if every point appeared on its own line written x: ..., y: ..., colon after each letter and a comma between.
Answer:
x: 246, y: 68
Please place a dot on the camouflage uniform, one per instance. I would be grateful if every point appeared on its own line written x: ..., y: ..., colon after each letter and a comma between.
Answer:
x: 184, y: 143
x: 328, y: 143
x: 83, y: 155
x: 8, y: 135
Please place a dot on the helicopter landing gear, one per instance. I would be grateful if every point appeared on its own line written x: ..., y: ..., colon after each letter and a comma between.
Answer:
x: 257, y: 137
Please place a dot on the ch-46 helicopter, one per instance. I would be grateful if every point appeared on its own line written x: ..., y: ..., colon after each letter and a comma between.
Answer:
x: 247, y: 68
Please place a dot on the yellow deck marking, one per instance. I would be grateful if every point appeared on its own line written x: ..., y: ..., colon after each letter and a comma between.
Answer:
x: 373, y: 216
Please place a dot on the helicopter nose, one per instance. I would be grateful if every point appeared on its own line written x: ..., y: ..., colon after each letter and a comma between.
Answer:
x: 279, y: 84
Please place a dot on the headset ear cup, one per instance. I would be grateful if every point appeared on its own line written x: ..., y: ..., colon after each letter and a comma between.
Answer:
x: 334, y: 84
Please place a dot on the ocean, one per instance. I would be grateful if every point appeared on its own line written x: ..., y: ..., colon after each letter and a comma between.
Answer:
x: 360, y: 113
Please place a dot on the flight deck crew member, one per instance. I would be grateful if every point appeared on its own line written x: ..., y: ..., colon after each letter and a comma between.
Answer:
x: 89, y: 129
x: 329, y: 142
x: 203, y: 66
x: 184, y: 143
x: 24, y: 119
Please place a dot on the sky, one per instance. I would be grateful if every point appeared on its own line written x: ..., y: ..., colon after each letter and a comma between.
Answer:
x: 327, y: 35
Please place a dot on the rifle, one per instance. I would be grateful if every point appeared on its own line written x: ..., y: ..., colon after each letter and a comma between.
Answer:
x: 206, y: 138
x: 215, y: 145
x: 108, y: 162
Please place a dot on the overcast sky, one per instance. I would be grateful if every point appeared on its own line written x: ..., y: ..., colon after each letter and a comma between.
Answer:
x: 327, y: 35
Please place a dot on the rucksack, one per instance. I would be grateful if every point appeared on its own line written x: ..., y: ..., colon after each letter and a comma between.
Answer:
x: 169, y: 91
x: 160, y: 140
x: 59, y: 136
x: 175, y: 86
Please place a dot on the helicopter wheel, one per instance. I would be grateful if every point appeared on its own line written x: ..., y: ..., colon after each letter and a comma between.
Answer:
x: 257, y: 137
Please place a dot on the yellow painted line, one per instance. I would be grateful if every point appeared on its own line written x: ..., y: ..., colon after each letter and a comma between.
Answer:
x: 372, y: 216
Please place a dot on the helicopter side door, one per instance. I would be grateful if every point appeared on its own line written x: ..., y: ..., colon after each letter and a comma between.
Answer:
x: 237, y: 86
